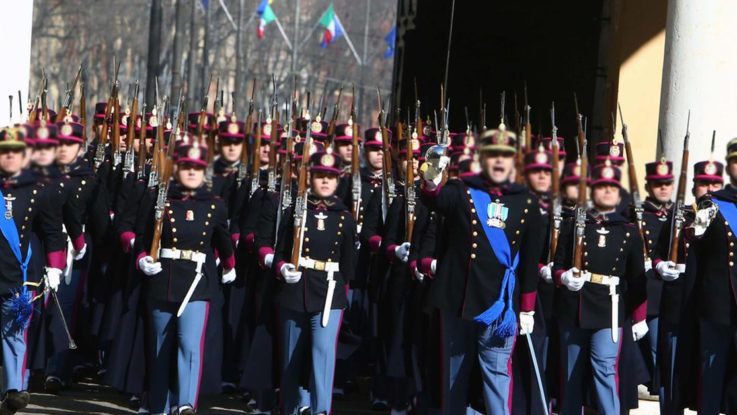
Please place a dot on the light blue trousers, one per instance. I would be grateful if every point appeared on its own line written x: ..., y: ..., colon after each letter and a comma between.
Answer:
x: 303, y: 333
x: 463, y: 342
x: 185, y: 338
x: 14, y: 348
x: 595, y: 345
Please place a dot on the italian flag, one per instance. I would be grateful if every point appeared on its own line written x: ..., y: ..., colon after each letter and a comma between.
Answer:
x: 266, y: 16
x: 332, y: 25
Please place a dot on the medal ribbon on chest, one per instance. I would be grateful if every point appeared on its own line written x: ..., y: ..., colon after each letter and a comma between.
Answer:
x: 9, y: 206
x: 497, y: 214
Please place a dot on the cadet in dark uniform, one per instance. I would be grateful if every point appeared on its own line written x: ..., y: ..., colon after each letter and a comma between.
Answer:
x: 195, y: 224
x: 678, y: 370
x: 716, y: 306
x: 312, y: 294
x: 487, y: 272
x: 27, y: 204
x: 592, y: 303
x: 656, y: 208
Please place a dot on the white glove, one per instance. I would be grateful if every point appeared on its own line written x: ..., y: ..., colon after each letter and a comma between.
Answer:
x: 268, y: 260
x: 546, y: 273
x: 420, y: 276
x: 53, y: 277
x: 148, y: 266
x: 79, y: 254
x: 228, y: 277
x: 290, y: 275
x: 433, y: 266
x: 703, y: 219
x: 571, y: 279
x: 402, y: 252
x: 639, y: 330
x: 133, y: 242
x: 526, y: 322
x: 667, y: 270
x: 433, y: 175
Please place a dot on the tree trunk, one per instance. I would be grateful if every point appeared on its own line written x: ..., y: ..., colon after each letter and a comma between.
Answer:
x: 154, y: 46
x: 176, y: 55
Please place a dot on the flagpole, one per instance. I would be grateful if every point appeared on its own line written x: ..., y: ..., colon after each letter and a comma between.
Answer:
x: 347, y: 39
x: 227, y: 14
x: 281, y: 30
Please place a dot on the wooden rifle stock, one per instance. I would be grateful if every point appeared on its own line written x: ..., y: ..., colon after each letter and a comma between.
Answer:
x: 300, y: 207
x: 678, y: 219
x: 256, y: 167
x: 355, y: 165
x: 580, y: 225
x: 555, y: 205
x: 409, y: 188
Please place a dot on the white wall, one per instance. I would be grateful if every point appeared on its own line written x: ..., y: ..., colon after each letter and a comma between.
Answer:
x: 16, y: 21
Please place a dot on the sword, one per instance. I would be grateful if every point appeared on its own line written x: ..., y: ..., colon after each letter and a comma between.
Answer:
x: 533, y: 356
x: 615, y: 312
x: 72, y: 344
x: 328, y: 299
x: 190, y: 291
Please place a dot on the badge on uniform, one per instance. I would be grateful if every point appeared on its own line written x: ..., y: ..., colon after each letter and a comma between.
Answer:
x: 602, y: 237
x: 189, y: 216
x: 497, y: 214
x: 321, y: 221
x: 9, y: 206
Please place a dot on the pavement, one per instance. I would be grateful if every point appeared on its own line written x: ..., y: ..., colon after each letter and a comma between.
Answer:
x: 94, y: 399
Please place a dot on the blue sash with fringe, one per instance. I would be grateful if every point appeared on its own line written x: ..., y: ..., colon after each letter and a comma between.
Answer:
x: 21, y: 299
x: 500, y: 316
x: 728, y: 210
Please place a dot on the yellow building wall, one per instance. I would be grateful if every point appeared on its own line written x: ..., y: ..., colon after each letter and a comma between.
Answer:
x: 639, y: 40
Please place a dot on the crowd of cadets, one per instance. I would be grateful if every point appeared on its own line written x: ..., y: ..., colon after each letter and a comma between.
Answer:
x: 437, y: 317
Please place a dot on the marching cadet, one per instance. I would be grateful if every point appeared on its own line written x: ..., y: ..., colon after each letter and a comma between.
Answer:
x: 677, y: 368
x: 195, y: 224
x: 231, y: 140
x: 78, y: 184
x: 486, y: 273
x: 27, y: 204
x: 714, y: 248
x: 311, y: 294
x: 538, y: 166
x: 593, y: 302
x: 656, y: 209
x: 614, y: 152
x: 569, y: 182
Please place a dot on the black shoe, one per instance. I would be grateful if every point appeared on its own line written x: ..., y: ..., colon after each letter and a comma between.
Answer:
x: 14, y: 401
x: 186, y: 410
x: 53, y: 385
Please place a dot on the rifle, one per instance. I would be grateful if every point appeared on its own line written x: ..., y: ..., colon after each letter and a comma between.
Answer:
x: 556, y: 217
x: 167, y: 162
x: 634, y: 187
x: 102, y: 142
x: 128, y: 160
x: 142, y: 145
x: 409, y: 186
x: 580, y: 222
x: 678, y: 220
x: 300, y: 206
x: 156, y: 165
x: 83, y: 113
x: 285, y: 191
x: 273, y: 121
x: 44, y: 96
x: 386, y: 167
x: 256, y: 167
x: 203, y: 109
x: 69, y: 98
x: 334, y: 119
x: 242, y: 168
x: 355, y: 172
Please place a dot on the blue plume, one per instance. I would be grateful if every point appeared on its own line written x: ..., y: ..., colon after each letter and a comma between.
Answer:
x: 21, y: 306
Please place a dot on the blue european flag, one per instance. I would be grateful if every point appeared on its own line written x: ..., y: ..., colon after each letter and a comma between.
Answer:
x: 390, y: 41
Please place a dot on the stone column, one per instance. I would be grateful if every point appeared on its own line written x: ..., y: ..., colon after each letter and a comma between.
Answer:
x: 700, y: 74
x: 16, y: 19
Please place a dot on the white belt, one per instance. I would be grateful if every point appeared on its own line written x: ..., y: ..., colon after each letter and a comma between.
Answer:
x: 198, y: 258
x: 183, y: 254
x: 612, y: 282
x: 600, y: 279
x: 326, y: 266
x: 330, y: 268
